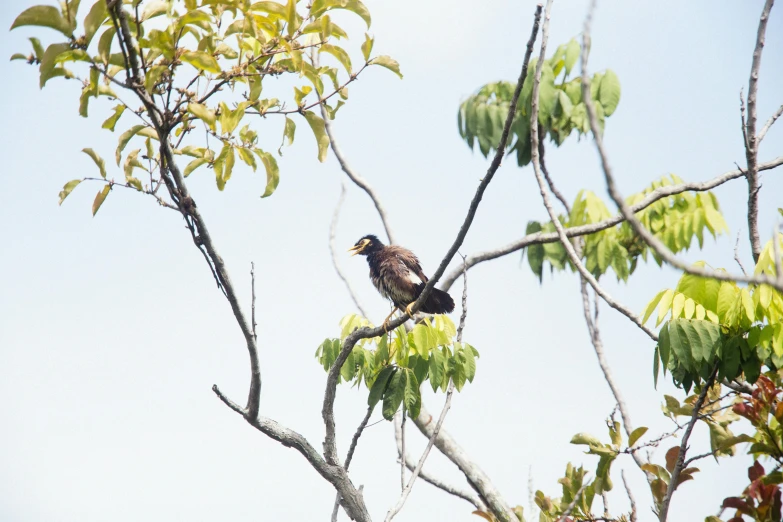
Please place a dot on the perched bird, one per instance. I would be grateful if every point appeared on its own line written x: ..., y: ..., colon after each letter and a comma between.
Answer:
x: 397, y: 275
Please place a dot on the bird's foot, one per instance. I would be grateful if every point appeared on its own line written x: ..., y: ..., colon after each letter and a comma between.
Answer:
x: 409, y: 309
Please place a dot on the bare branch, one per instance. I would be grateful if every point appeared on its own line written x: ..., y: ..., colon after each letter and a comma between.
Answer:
x: 469, y: 496
x: 253, y: 323
x: 684, y: 445
x: 572, y: 504
x: 552, y: 237
x: 349, y: 456
x: 552, y: 187
x: 770, y: 122
x: 751, y: 145
x: 333, y: 252
x: 336, y: 475
x: 356, y: 178
x: 327, y: 411
x: 655, y: 243
x: 631, y: 498
x: 737, y: 254
x: 478, y: 480
x: 402, y: 443
x: 595, y: 337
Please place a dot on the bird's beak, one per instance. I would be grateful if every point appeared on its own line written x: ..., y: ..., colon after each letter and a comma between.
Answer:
x: 355, y: 249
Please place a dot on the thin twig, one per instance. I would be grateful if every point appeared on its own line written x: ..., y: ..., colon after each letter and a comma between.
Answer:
x: 766, y: 127
x: 552, y: 187
x: 680, y: 465
x: 656, y: 244
x: 360, y: 181
x: 751, y: 146
x: 552, y: 237
x: 333, y: 252
x: 327, y: 410
x: 253, y: 299
x: 631, y: 498
x: 468, y: 496
x: 737, y: 254
x: 402, y: 442
x: 598, y: 346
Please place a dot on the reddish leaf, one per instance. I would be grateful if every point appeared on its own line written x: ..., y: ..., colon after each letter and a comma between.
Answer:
x: 671, y: 458
x: 756, y: 471
x: 738, y: 504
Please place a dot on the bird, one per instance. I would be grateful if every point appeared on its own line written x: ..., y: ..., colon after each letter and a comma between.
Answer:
x: 397, y: 275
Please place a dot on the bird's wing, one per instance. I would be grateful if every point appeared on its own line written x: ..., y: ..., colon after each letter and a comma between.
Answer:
x: 410, y: 264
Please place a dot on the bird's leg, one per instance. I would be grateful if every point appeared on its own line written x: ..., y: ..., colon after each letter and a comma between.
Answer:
x: 388, y: 319
x: 408, y: 309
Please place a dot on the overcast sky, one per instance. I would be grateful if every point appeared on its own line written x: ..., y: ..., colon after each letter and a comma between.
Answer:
x: 112, y: 331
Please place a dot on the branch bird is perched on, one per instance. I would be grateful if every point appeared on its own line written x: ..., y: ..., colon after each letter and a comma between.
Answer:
x: 397, y: 274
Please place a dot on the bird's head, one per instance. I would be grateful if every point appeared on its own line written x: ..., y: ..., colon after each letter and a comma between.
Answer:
x: 366, y: 245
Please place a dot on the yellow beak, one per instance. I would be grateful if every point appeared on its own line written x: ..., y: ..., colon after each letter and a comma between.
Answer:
x: 355, y: 249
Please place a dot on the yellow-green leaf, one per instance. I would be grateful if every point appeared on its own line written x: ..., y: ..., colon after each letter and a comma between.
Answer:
x: 636, y: 435
x: 124, y: 139
x: 664, y: 305
x: 339, y: 53
x: 319, y: 129
x: 153, y: 77
x: 247, y: 156
x: 67, y: 189
x: 201, y: 61
x: 319, y: 7
x: 203, y: 113
x: 43, y: 16
x: 104, y: 44
x: 290, y: 129
x: 388, y: 62
x: 609, y: 92
x: 100, y: 198
x: 229, y: 119
x: 367, y: 46
x: 98, y: 161
x: 193, y: 165
x: 48, y: 61
x: 272, y: 171
x: 93, y: 20
x: 111, y: 121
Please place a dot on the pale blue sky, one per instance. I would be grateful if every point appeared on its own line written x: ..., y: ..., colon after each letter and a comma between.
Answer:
x: 112, y: 331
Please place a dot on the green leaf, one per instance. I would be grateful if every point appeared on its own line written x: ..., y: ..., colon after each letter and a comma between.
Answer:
x: 193, y: 165
x: 44, y: 16
x: 664, y: 305
x: 585, y: 438
x: 388, y: 62
x: 93, y: 20
x: 125, y: 137
x: 339, y: 53
x: 636, y: 435
x: 18, y: 56
x: 104, y: 44
x: 317, y: 125
x: 67, y: 189
x: 290, y: 130
x: 111, y: 121
x: 367, y: 46
x: 609, y: 92
x: 247, y: 156
x: 203, y: 113
x: 664, y: 346
x: 272, y: 172
x: 153, y: 77
x: 747, y: 305
x: 153, y: 9
x: 98, y: 161
x: 379, y: 386
x: 412, y: 398
x: 466, y: 352
x: 100, y: 198
x: 394, y: 395
x: 571, y: 55
x: 47, y: 68
x: 229, y: 119
x: 651, y: 306
x: 437, y: 366
x: 201, y: 61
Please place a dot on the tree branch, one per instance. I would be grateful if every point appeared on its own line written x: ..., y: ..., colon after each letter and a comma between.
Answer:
x: 349, y: 456
x: 552, y: 237
x: 751, y: 144
x: 770, y: 122
x: 631, y: 499
x: 356, y: 178
x: 655, y: 243
x: 333, y: 252
x: 452, y: 490
x: 327, y: 411
x: 684, y: 445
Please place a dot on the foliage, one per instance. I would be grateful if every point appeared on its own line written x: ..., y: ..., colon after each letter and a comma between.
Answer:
x: 202, y: 66
x: 676, y: 220
x: 717, y: 322
x: 561, y: 110
x: 394, y: 366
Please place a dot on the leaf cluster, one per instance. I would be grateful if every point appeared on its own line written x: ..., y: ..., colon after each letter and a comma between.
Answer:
x: 393, y: 367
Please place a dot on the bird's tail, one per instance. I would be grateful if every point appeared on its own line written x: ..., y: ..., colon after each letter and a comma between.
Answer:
x: 439, y: 302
